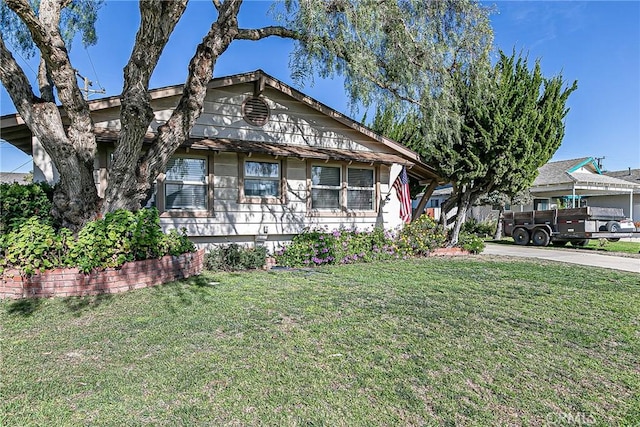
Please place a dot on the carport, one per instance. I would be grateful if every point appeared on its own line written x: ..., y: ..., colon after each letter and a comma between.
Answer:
x: 573, y: 179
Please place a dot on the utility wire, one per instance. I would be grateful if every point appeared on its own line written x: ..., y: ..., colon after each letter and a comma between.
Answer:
x: 94, y: 69
x: 24, y: 164
x: 17, y: 51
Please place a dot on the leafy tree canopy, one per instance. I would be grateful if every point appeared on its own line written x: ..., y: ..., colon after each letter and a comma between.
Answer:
x: 398, y: 53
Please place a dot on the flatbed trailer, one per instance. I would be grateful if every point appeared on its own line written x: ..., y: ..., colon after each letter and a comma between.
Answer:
x: 562, y: 226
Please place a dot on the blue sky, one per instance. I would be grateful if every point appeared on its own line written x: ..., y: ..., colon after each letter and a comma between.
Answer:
x: 594, y: 42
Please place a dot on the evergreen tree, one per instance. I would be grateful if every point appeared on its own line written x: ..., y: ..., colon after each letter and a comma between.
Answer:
x: 504, y: 123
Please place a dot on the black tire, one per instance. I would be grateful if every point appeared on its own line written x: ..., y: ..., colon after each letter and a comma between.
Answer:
x: 579, y: 243
x: 520, y: 236
x: 613, y: 227
x: 559, y: 243
x: 540, y: 237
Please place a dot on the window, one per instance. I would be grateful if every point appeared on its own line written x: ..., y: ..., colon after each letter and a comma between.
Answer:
x: 261, y: 179
x: 185, y: 184
x: 360, y: 189
x: 326, y: 184
x: 540, y: 204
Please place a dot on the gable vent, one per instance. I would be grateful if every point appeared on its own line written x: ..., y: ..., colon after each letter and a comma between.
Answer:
x: 255, y: 111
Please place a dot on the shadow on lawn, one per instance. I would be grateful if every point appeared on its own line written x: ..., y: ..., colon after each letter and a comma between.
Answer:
x: 24, y: 307
x: 183, y: 292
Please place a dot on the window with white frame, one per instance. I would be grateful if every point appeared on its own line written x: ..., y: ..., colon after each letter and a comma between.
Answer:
x: 261, y: 179
x: 185, y: 183
x: 326, y: 185
x: 360, y: 189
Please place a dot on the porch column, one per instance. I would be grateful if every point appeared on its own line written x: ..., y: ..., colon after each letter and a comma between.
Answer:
x: 573, y: 195
x: 631, y: 205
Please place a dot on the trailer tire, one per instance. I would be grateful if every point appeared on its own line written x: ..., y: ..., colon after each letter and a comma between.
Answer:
x: 520, y: 236
x: 540, y: 237
x: 613, y: 227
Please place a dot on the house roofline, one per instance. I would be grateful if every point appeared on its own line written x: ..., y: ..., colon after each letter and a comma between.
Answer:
x: 585, y: 162
x: 12, y: 120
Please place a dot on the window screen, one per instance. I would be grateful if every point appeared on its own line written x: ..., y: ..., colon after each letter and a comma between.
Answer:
x: 360, y: 189
x: 185, y: 184
x: 262, y: 179
x: 325, y: 187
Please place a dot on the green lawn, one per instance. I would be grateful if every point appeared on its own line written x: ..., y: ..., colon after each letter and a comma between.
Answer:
x: 421, y: 342
x: 595, y: 245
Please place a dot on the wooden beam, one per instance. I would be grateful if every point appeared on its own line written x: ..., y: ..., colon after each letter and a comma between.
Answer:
x: 258, y: 87
x: 423, y: 201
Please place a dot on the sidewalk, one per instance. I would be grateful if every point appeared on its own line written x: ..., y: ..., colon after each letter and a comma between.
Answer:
x: 581, y: 257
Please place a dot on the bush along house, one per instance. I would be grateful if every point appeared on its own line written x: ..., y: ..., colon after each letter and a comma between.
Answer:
x: 263, y: 162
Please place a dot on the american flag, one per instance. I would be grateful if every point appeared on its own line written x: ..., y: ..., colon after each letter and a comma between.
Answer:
x: 401, y: 184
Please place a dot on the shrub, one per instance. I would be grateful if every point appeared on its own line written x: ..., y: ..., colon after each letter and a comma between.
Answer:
x: 471, y: 243
x: 421, y: 236
x: 235, y: 257
x: 317, y: 247
x: 20, y: 202
x: 482, y: 229
x: 119, y: 237
x: 176, y: 243
x: 36, y: 246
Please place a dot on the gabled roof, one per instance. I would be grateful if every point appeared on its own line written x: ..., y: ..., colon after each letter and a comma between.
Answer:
x: 577, y: 176
x: 10, y: 177
x: 558, y: 172
x: 631, y: 175
x: 14, y: 129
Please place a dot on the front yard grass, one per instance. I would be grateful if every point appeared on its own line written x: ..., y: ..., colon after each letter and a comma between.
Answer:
x: 468, y: 341
x: 594, y: 245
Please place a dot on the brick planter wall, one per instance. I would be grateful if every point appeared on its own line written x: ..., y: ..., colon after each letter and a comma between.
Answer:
x: 66, y: 282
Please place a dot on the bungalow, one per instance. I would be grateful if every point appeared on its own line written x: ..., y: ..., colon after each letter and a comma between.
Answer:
x: 263, y: 162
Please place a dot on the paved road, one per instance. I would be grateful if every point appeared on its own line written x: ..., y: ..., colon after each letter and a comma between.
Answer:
x: 566, y: 255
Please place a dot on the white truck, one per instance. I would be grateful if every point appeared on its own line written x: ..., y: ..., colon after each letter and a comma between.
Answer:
x: 562, y: 226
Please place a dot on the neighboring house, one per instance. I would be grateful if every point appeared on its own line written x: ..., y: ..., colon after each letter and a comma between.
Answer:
x: 580, y: 182
x: 263, y: 162
x: 570, y: 183
x: 11, y: 177
x: 620, y: 201
x: 435, y: 201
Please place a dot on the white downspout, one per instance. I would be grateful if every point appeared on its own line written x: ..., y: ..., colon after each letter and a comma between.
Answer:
x: 573, y: 195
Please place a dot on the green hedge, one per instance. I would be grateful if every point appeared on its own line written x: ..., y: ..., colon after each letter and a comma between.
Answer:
x: 234, y: 257
x: 20, y: 202
x: 117, y: 238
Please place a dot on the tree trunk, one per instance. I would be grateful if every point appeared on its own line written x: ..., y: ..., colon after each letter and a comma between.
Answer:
x: 463, y: 207
x: 498, y: 234
x: 72, y: 149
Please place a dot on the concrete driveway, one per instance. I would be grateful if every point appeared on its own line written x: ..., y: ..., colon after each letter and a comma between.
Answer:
x: 576, y: 256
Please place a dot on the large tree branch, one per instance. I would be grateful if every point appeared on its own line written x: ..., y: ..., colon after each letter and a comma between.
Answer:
x: 72, y: 151
x: 176, y: 130
x: 15, y: 82
x: 158, y: 20
x: 261, y: 33
x: 43, y: 118
x: 45, y: 32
